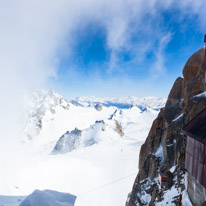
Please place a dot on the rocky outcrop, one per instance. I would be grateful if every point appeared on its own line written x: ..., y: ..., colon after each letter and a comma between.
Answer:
x: 67, y: 142
x: 98, y: 107
x: 164, y: 147
x: 119, y: 128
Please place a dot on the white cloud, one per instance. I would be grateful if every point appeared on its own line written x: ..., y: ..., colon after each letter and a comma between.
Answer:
x: 33, y: 34
x: 159, y: 65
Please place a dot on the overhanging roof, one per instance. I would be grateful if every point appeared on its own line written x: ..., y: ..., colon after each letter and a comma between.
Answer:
x: 196, y: 128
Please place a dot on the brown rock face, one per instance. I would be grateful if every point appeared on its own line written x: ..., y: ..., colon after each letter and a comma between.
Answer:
x: 164, y: 146
x: 194, y: 64
x: 173, y: 107
x: 176, y: 92
x: 194, y: 76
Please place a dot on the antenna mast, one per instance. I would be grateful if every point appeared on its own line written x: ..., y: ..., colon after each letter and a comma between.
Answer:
x: 205, y: 59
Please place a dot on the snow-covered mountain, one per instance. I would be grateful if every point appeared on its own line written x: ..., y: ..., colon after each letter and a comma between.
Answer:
x: 38, y: 105
x: 47, y: 108
x: 123, y: 102
x: 81, y: 145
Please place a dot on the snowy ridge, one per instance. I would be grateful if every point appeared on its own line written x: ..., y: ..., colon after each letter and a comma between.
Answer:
x: 38, y: 104
x: 68, y: 142
x: 46, y: 107
x: 100, y: 132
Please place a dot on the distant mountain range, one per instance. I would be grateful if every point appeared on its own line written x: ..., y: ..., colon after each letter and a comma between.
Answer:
x: 44, y: 109
x: 122, y: 102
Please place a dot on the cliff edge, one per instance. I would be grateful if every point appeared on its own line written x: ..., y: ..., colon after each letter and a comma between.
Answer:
x: 164, y: 148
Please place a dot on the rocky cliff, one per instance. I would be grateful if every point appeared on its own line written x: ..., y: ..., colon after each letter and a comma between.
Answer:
x: 164, y: 148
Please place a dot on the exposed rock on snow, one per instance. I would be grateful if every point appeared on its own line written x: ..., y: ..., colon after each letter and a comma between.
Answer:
x: 113, y: 115
x: 98, y: 107
x: 77, y: 138
x: 119, y: 129
x: 76, y: 103
x: 87, y: 137
x: 68, y: 142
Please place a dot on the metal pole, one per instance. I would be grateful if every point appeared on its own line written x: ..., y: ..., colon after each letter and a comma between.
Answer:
x: 205, y: 59
x: 205, y: 48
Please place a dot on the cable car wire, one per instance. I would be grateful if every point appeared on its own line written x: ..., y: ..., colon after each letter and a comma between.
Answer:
x: 102, y: 186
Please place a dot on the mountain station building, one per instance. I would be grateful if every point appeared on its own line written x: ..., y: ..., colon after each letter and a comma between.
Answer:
x: 195, y: 157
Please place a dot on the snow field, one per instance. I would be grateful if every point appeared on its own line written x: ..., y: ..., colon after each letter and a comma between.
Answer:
x: 91, y: 171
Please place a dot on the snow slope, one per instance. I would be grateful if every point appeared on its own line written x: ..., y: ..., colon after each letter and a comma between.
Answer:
x: 39, y: 198
x: 98, y: 165
x: 48, y: 198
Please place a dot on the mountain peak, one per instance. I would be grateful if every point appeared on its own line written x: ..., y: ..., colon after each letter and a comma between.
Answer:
x: 184, y: 102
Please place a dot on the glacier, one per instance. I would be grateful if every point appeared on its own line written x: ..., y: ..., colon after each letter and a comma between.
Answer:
x: 74, y: 146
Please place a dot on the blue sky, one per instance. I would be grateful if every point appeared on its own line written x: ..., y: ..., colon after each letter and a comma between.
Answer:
x: 99, y: 47
x: 146, y: 64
